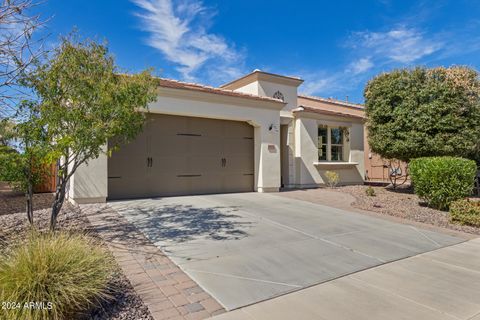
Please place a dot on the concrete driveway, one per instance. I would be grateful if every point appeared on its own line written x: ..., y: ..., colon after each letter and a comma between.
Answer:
x: 249, y: 247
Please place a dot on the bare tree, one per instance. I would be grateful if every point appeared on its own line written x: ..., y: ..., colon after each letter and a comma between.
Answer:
x: 18, y: 50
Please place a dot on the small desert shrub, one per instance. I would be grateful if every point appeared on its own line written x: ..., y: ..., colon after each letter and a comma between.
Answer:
x: 442, y: 180
x: 69, y: 271
x: 332, y: 178
x: 465, y: 212
x: 370, y: 191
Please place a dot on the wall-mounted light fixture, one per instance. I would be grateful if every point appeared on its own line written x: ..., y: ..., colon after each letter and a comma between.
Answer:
x: 273, y: 128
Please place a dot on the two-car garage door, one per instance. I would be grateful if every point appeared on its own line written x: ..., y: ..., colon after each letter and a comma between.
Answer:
x: 176, y: 155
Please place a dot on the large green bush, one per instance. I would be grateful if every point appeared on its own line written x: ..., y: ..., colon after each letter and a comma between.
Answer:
x: 465, y: 212
x: 424, y: 112
x: 442, y: 180
x: 62, y: 273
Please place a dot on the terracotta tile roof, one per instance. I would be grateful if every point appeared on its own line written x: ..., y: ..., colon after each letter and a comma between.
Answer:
x: 175, y: 84
x: 333, y: 101
x: 327, y: 112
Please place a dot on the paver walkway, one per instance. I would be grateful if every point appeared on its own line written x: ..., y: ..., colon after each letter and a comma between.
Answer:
x: 167, y: 291
x: 441, y: 284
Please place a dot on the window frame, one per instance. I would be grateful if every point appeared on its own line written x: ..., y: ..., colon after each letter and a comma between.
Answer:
x: 323, y: 143
x: 329, y: 144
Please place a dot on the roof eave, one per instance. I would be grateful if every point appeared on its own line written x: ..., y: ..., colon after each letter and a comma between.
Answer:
x: 305, y: 109
x: 333, y: 101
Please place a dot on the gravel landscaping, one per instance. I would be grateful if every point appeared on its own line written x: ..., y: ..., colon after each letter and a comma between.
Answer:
x: 402, y: 203
x: 125, y: 305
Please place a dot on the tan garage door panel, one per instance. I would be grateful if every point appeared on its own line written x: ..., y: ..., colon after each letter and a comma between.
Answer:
x: 127, y: 169
x: 187, y: 156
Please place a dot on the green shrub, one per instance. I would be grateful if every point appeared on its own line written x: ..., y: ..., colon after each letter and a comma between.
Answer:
x: 332, y: 178
x: 465, y: 212
x: 370, y: 191
x: 442, y: 180
x: 69, y: 271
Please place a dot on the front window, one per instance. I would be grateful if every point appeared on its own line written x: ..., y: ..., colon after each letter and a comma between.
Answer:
x: 331, y: 143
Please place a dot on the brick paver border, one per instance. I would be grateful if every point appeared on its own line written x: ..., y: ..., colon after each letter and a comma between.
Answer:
x: 168, y: 292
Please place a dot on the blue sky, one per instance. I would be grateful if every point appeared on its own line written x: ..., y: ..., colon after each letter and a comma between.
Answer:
x: 336, y: 46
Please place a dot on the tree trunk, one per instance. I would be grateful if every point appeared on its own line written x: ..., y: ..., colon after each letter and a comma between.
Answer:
x: 58, y: 203
x: 30, y: 204
x: 29, y: 196
x: 60, y: 191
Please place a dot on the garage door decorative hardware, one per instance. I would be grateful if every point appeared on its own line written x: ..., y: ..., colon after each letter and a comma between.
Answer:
x: 224, y: 162
x: 248, y: 138
x: 114, y: 177
x: 189, y: 134
x: 248, y: 174
x: 149, y: 162
x: 188, y: 175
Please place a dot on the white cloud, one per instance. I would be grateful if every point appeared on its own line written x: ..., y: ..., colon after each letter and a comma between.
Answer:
x: 371, y: 52
x: 360, y: 66
x: 315, y: 85
x: 178, y: 29
x: 403, y: 45
x: 322, y: 83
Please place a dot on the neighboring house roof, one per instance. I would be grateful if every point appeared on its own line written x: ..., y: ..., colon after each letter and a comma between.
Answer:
x: 330, y: 107
x: 257, y: 75
x: 175, y: 84
x: 333, y: 101
x: 326, y: 112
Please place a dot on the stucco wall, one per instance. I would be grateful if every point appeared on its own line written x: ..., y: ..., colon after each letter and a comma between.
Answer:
x: 90, y: 182
x: 268, y: 89
x: 309, y: 172
x: 290, y: 93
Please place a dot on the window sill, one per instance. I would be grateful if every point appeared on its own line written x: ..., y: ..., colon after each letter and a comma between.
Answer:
x: 335, y: 164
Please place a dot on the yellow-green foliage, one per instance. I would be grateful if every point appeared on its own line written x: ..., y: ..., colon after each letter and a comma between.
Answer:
x: 332, y: 178
x: 465, y: 212
x: 69, y: 271
x: 370, y: 191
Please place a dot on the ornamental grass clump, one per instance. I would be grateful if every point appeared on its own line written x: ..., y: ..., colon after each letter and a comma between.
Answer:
x: 53, y: 276
x: 441, y: 180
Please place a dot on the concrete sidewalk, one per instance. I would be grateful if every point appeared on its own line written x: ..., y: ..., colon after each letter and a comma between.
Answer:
x: 441, y: 284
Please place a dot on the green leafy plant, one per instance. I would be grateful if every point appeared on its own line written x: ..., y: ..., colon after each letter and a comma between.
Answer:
x: 423, y: 112
x: 6, y: 131
x: 67, y: 273
x: 466, y: 212
x: 442, y: 180
x: 84, y: 101
x: 25, y: 167
x: 333, y: 178
x: 370, y: 191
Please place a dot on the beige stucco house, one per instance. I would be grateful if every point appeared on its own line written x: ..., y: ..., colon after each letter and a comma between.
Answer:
x: 255, y: 133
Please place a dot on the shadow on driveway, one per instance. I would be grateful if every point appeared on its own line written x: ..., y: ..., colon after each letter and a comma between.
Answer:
x: 181, y: 223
